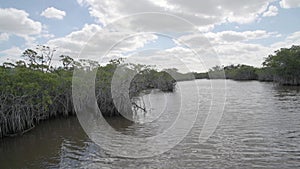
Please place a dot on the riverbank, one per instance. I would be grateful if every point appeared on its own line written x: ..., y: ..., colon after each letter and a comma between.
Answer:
x: 282, y: 67
x: 253, y: 131
x: 248, y: 73
x: 34, y: 92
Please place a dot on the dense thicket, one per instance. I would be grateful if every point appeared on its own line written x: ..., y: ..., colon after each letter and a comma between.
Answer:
x: 33, y: 91
x: 285, y: 65
x: 29, y: 96
x: 129, y: 79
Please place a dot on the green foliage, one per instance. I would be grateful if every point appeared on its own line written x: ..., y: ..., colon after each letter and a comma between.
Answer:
x: 201, y: 75
x: 39, y: 59
x: 285, y: 64
x: 265, y: 74
x: 240, y: 72
x: 282, y: 67
x: 152, y: 79
x: 135, y: 76
x: 216, y: 72
x: 33, y: 91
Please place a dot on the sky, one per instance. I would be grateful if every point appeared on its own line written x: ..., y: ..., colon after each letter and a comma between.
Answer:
x: 193, y: 35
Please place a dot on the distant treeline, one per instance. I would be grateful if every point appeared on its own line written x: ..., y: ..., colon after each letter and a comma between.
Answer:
x: 32, y: 91
x: 283, y: 67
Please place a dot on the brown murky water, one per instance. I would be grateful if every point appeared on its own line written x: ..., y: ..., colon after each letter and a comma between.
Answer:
x: 260, y: 128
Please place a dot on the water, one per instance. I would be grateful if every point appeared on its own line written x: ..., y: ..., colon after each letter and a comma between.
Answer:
x: 260, y: 128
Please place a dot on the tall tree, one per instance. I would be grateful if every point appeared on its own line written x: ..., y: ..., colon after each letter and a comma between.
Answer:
x: 41, y: 58
x: 285, y: 64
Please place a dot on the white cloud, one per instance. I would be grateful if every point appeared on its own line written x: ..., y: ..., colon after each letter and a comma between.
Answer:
x: 95, y: 42
x: 289, y: 3
x: 272, y: 11
x: 15, y: 21
x: 186, y: 60
x: 231, y: 47
x: 181, y: 58
x: 53, y: 13
x: 202, y: 13
x: 292, y: 39
x: 235, y: 48
x: 224, y: 37
x: 232, y: 36
x: 12, y: 54
x: 242, y: 53
x: 4, y: 36
x: 13, y: 51
x: 73, y: 42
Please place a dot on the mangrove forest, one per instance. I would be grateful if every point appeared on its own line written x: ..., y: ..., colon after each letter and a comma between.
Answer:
x: 282, y: 67
x: 32, y: 90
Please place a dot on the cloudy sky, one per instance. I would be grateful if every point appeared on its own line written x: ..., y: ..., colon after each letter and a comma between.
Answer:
x: 161, y: 31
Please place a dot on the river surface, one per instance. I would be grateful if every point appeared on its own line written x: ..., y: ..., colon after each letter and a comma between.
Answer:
x: 259, y: 128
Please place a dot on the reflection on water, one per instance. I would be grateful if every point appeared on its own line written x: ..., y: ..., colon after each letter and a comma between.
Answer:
x: 260, y: 128
x: 41, y: 147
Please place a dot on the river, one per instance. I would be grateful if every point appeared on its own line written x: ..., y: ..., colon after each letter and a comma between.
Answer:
x: 259, y: 128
